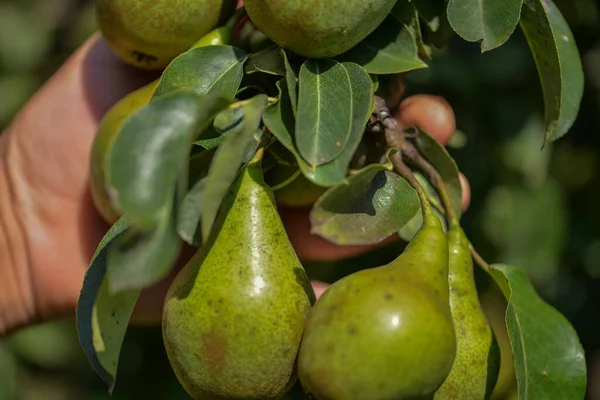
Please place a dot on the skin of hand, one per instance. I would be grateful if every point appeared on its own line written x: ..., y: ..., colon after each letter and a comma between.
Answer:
x: 49, y: 228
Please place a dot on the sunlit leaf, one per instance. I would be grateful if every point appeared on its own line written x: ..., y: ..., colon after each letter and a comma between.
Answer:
x: 549, y: 359
x: 558, y: 63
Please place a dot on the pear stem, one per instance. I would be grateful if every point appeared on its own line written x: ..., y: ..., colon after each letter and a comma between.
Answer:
x: 405, y: 172
x: 478, y: 259
x: 412, y: 153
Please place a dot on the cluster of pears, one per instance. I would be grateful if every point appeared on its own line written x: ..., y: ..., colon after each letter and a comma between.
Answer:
x: 149, y: 34
x: 240, y: 320
x: 411, y: 329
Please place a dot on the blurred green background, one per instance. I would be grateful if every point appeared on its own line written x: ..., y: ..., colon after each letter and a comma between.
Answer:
x: 533, y: 207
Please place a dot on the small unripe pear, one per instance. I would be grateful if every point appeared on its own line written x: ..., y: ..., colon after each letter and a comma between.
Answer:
x: 149, y: 34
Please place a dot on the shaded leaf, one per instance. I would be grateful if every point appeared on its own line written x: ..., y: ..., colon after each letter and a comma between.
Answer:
x: 549, y: 359
x: 439, y: 157
x: 291, y: 76
x: 268, y: 61
x: 218, y: 69
x: 210, y: 144
x: 189, y: 213
x: 558, y: 63
x: 102, y: 317
x: 143, y: 257
x: 432, y: 12
x: 393, y: 47
x: 489, y: 21
x: 372, y: 205
x: 228, y: 159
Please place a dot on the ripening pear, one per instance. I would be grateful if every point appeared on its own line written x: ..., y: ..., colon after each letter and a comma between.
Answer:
x: 318, y: 29
x: 149, y: 34
x: 234, y: 316
x: 384, y: 333
x: 475, y: 370
x: 114, y: 119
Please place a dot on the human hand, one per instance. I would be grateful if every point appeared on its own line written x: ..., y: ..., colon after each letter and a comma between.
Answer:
x: 50, y: 228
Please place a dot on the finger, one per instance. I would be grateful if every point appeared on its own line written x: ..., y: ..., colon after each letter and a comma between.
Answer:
x: 429, y: 113
x: 319, y: 288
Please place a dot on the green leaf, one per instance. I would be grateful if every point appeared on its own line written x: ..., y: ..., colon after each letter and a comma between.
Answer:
x: 151, y: 150
x: 228, y: 159
x: 102, y: 317
x: 558, y: 63
x: 140, y: 258
x: 217, y: 69
x: 393, y: 47
x: 325, y: 104
x: 437, y: 155
x: 549, y: 359
x: 189, y: 213
x: 489, y: 21
x: 432, y: 12
x: 279, y: 119
x: 210, y: 144
x: 268, y: 61
x: 372, y: 205
x: 292, y: 82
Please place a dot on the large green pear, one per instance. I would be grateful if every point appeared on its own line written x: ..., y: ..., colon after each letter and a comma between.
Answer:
x: 318, y: 29
x: 234, y: 316
x: 384, y: 333
x: 477, y: 364
x: 149, y: 34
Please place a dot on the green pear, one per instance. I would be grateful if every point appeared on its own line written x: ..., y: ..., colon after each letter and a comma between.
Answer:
x: 299, y: 193
x: 149, y: 34
x: 475, y: 370
x: 384, y: 333
x: 234, y: 316
x: 318, y: 29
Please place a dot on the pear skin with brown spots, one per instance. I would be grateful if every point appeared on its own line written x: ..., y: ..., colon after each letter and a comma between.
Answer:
x: 149, y: 34
x: 477, y: 364
x: 318, y: 28
x: 384, y: 333
x: 234, y: 316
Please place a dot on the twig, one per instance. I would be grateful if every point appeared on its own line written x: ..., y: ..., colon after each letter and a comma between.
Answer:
x: 478, y: 259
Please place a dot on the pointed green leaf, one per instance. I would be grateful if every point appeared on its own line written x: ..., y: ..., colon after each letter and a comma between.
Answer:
x: 324, y: 112
x: 227, y: 161
x: 189, y: 213
x: 439, y: 157
x: 558, y: 63
x: 210, y: 144
x: 279, y: 120
x: 152, y: 149
x: 102, y: 317
x: 367, y: 208
x: 142, y: 257
x: 268, y: 61
x: 292, y: 82
x: 393, y: 47
x: 432, y: 12
x: 489, y: 21
x: 217, y: 69
x: 549, y: 359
